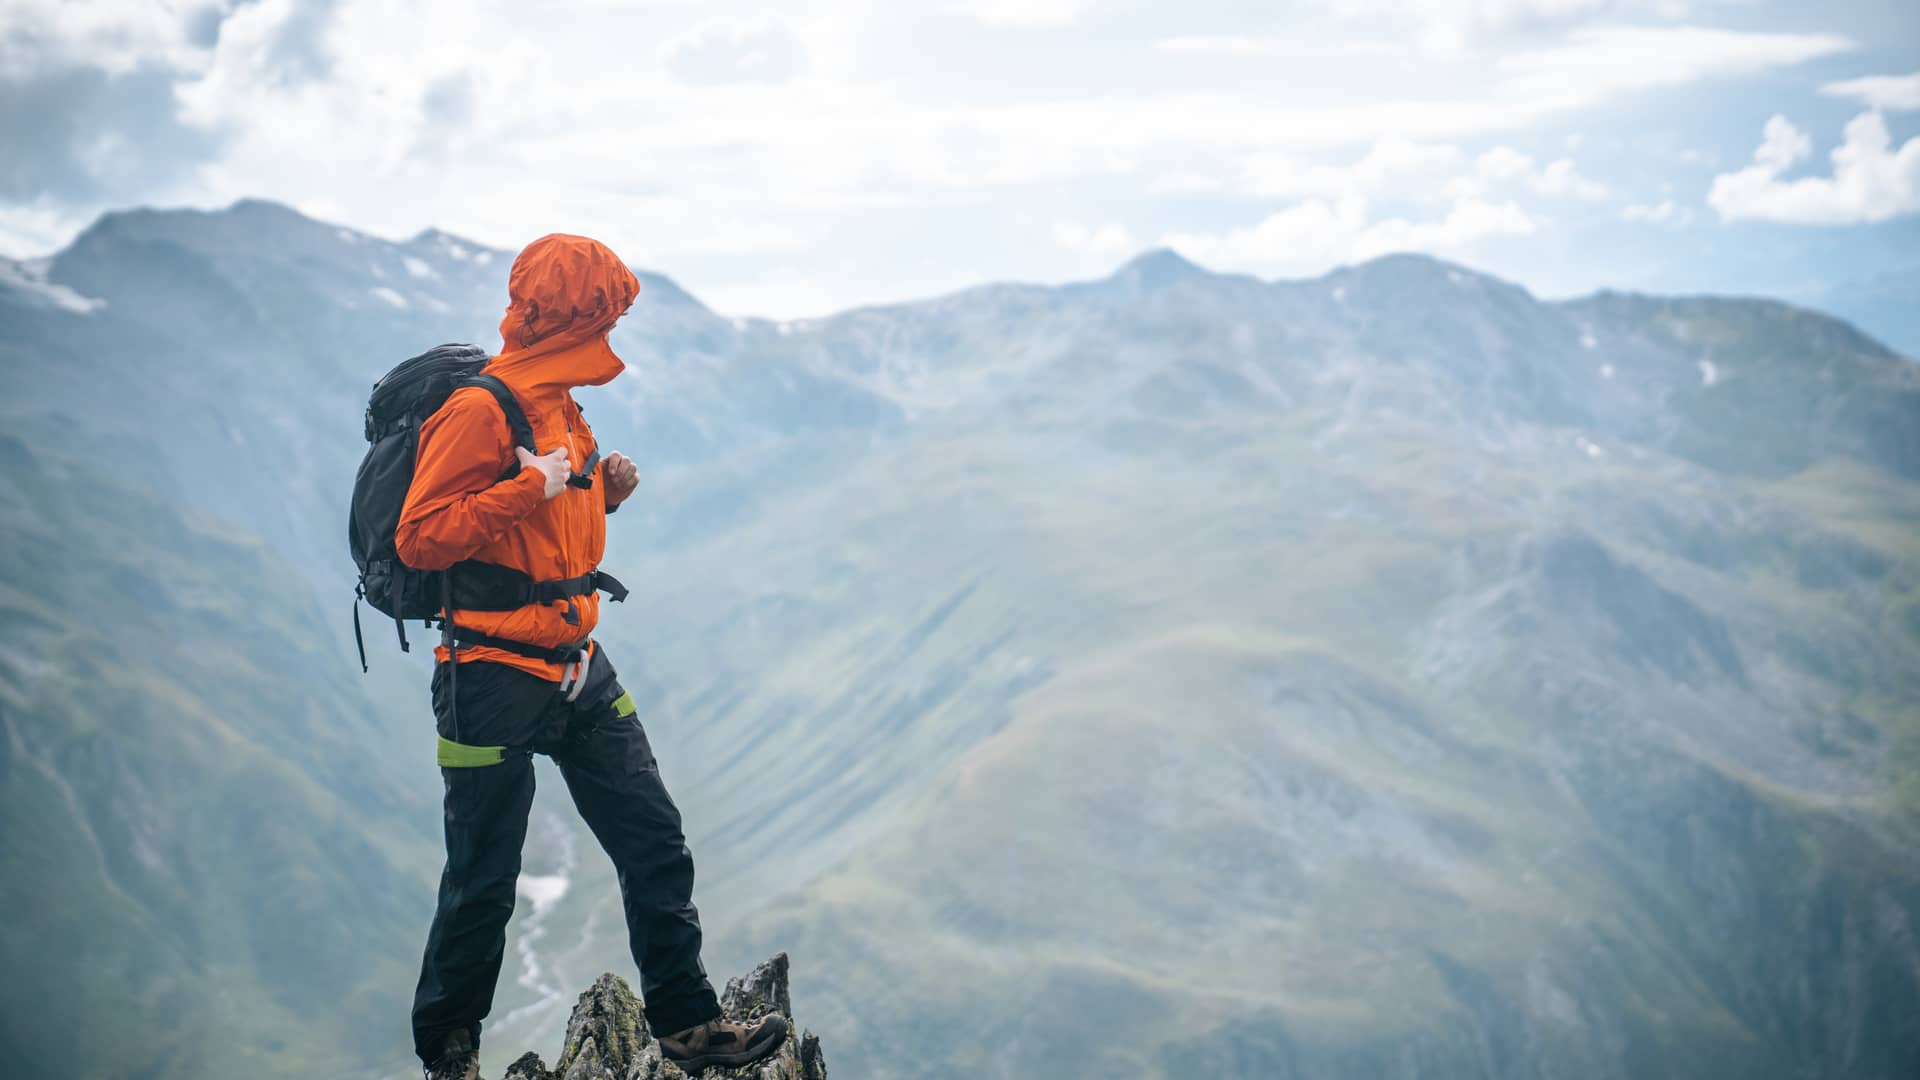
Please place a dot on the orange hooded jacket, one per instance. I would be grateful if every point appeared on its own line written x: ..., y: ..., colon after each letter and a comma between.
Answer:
x: 564, y: 295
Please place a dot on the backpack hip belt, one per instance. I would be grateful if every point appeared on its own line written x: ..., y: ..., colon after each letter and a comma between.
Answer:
x: 572, y: 656
x: 461, y: 637
x: 503, y: 588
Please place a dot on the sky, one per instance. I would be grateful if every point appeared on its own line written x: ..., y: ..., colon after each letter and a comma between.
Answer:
x: 803, y: 158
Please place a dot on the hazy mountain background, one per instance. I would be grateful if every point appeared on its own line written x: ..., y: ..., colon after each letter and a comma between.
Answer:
x: 1887, y: 305
x: 1387, y: 674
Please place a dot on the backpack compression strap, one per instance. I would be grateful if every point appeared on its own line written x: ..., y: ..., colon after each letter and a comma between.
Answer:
x: 522, y: 432
x: 518, y: 429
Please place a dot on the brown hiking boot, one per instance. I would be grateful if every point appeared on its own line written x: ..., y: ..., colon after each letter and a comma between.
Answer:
x: 458, y: 1060
x: 721, y: 1041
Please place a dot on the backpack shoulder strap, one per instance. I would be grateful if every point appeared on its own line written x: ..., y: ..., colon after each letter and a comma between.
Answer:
x: 517, y: 426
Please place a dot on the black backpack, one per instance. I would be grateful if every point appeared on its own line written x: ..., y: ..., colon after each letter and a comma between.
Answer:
x: 401, y: 401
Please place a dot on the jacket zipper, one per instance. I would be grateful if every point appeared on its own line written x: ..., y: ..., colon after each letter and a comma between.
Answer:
x: 573, y: 451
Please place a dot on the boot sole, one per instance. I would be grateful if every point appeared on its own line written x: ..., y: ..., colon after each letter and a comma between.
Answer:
x: 746, y: 1055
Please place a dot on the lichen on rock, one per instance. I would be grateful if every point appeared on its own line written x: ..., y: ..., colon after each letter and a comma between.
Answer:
x: 608, y: 1037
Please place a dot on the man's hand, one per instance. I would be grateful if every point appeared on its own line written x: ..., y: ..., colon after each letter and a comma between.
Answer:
x: 621, y: 476
x: 552, y: 465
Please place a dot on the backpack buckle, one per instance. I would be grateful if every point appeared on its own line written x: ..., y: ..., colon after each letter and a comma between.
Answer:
x: 574, y: 675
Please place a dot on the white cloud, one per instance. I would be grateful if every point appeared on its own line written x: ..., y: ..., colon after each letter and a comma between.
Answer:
x: 615, y: 140
x: 38, y: 227
x: 1107, y: 240
x: 1450, y: 27
x: 1312, y: 231
x: 1183, y: 183
x: 1503, y: 163
x: 706, y: 146
x: 1505, y: 166
x: 1322, y: 232
x: 1561, y: 178
x: 1390, y: 159
x: 1024, y: 12
x: 724, y: 50
x: 1781, y: 144
x: 1664, y: 212
x: 1469, y: 220
x: 115, y: 37
x: 1871, y: 180
x: 1219, y: 45
x: 736, y: 237
x: 1598, y: 63
x: 1889, y: 93
x: 1488, y: 13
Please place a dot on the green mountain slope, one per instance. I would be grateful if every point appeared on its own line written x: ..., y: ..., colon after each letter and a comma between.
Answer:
x: 200, y: 840
x: 1505, y: 803
x: 1451, y: 687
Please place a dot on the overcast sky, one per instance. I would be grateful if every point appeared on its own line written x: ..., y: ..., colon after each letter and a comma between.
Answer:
x: 803, y: 158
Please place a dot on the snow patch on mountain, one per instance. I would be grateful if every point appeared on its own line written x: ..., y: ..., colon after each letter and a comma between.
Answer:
x: 30, y: 277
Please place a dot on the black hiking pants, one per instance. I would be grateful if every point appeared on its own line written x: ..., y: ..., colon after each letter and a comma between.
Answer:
x: 505, y: 717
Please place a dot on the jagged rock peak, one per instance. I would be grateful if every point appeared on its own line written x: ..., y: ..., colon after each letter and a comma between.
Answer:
x: 608, y: 1037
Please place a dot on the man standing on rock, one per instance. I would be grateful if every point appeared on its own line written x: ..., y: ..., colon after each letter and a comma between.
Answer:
x: 530, y: 680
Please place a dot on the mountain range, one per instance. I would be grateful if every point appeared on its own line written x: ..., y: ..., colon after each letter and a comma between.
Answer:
x: 1172, y: 674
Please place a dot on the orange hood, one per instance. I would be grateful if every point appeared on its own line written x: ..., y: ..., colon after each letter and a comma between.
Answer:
x: 563, y: 295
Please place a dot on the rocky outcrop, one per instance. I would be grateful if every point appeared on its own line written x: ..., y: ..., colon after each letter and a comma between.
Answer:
x: 608, y: 1037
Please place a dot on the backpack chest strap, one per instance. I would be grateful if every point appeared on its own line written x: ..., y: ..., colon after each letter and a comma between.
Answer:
x: 584, y: 478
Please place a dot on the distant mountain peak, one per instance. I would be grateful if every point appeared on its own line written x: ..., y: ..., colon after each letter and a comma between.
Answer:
x: 658, y: 288
x: 255, y: 205
x: 253, y: 227
x: 655, y: 287
x: 243, y: 217
x: 1420, y: 274
x: 1415, y: 264
x: 436, y: 235
x: 1158, y: 268
x: 434, y: 243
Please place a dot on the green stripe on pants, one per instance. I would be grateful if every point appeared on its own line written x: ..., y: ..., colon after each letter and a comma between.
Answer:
x: 455, y: 755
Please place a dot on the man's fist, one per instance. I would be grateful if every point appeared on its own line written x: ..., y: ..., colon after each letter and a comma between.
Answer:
x: 552, y: 465
x: 621, y: 476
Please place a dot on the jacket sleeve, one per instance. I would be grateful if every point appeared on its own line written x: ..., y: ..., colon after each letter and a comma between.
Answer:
x: 457, y: 503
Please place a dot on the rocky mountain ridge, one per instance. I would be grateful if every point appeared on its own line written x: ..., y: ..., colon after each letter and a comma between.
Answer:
x: 608, y: 1037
